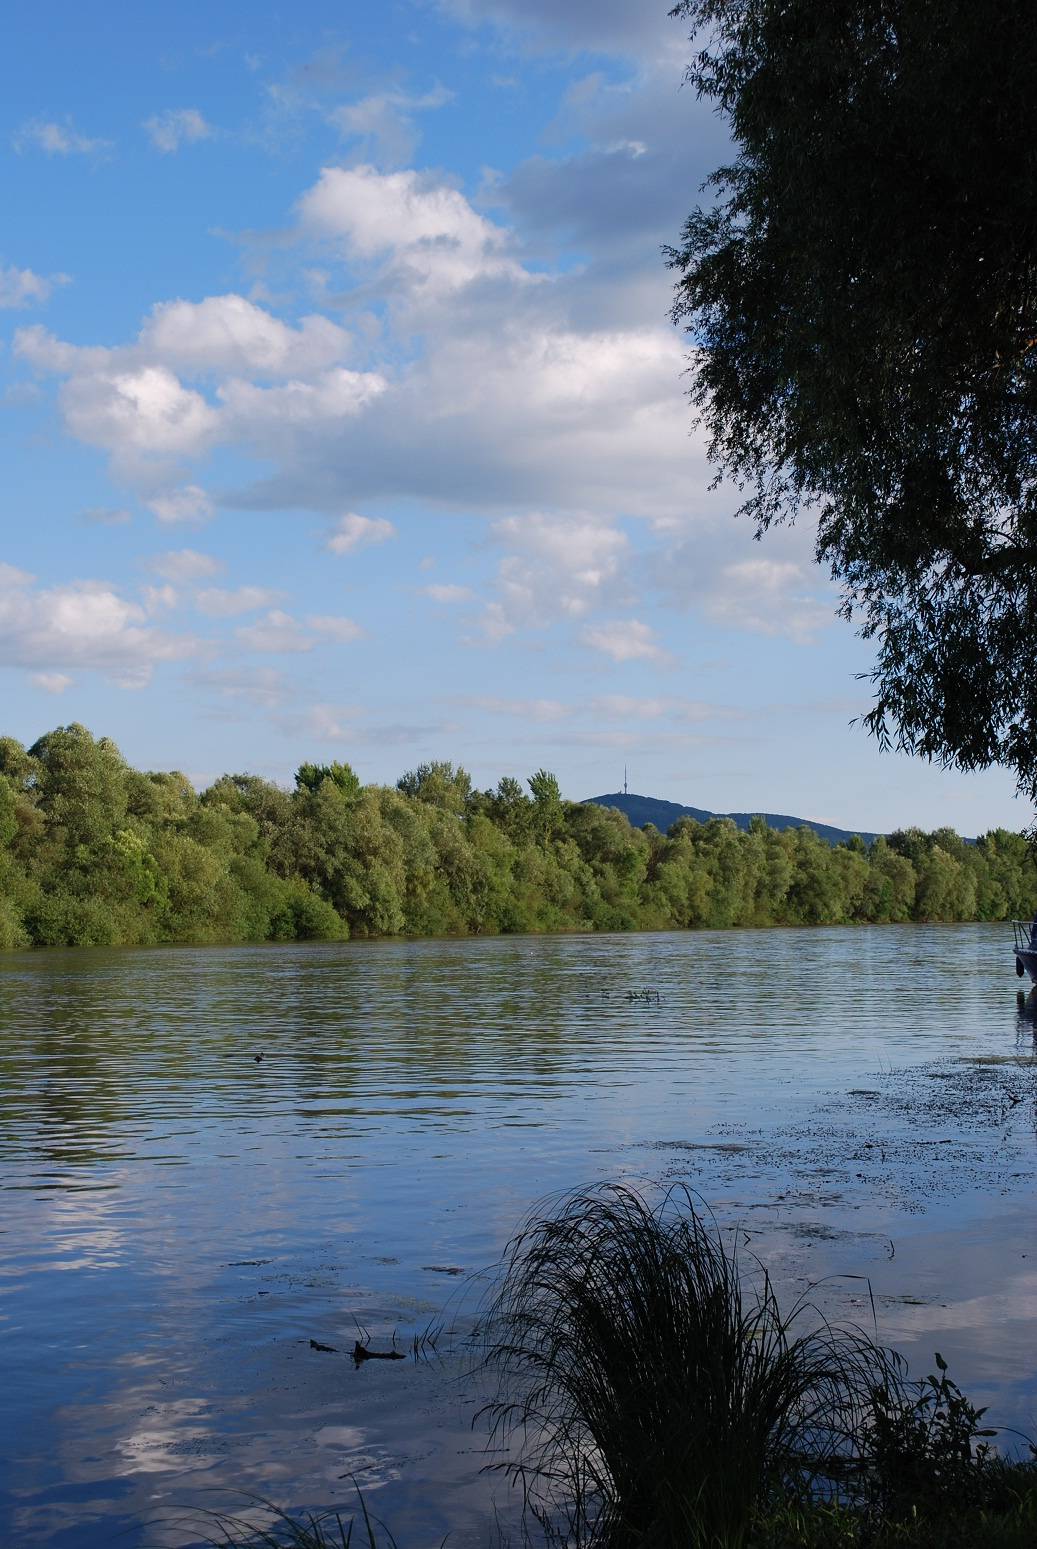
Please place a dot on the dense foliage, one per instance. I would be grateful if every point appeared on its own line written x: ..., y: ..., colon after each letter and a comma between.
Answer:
x: 94, y: 852
x: 862, y: 296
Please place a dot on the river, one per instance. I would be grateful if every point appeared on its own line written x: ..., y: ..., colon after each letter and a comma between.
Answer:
x: 211, y: 1157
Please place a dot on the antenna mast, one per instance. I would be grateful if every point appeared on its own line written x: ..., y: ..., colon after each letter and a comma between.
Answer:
x: 624, y: 779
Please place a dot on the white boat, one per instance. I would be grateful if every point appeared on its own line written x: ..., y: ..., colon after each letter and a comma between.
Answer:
x: 1025, y: 932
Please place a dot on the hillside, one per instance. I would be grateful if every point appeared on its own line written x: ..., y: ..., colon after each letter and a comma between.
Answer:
x: 649, y: 809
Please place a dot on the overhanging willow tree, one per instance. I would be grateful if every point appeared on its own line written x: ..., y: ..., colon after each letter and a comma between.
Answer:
x: 861, y: 293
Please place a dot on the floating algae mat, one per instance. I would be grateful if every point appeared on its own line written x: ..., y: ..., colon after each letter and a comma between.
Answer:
x: 225, y: 1168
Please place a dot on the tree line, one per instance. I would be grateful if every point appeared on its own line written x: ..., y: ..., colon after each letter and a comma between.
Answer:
x: 94, y: 852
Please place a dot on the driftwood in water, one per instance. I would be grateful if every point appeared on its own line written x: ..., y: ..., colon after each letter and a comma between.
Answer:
x: 362, y: 1353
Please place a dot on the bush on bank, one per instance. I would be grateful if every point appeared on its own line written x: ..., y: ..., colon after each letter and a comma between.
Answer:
x: 93, y: 852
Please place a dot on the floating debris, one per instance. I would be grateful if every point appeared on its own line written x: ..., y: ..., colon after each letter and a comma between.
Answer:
x: 362, y: 1353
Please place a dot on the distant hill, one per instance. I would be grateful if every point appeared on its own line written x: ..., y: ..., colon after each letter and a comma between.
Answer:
x: 648, y: 809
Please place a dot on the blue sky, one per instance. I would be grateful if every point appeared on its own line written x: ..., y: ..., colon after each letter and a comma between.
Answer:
x: 343, y: 417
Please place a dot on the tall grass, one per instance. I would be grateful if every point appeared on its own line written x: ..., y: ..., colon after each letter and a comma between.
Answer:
x: 308, y: 1531
x: 649, y: 1393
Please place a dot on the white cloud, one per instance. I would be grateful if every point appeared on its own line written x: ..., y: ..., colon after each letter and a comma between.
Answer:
x: 340, y: 630
x: 231, y: 334
x: 272, y: 418
x: 177, y: 126
x: 57, y: 139
x: 563, y: 567
x: 159, y: 599
x: 469, y: 381
x: 384, y: 122
x: 431, y: 240
x: 278, y: 633
x: 50, y: 682
x: 183, y: 565
x: 773, y: 587
x: 217, y: 603
x: 138, y: 401
x: 81, y: 624
x: 771, y: 596
x: 351, y: 532
x: 22, y: 288
x: 325, y: 723
x: 145, y: 411
x: 626, y: 640
x: 188, y: 504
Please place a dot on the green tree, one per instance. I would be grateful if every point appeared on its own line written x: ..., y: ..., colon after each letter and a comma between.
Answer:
x: 439, y: 784
x: 82, y: 783
x: 861, y: 291
x: 309, y: 776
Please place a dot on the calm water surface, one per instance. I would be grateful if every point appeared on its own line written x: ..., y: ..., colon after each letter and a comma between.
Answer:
x: 180, y: 1218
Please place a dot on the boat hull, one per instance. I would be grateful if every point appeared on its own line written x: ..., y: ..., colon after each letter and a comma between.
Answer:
x: 1026, y: 962
x: 1025, y: 933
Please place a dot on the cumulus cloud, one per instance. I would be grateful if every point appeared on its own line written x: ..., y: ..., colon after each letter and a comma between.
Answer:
x: 559, y: 567
x: 23, y: 288
x: 338, y: 629
x: 277, y: 634
x: 190, y: 503
x: 771, y: 596
x: 81, y: 624
x: 57, y: 139
x: 430, y: 240
x: 229, y: 334
x: 136, y: 413
x: 160, y: 599
x: 280, y: 633
x: 147, y: 403
x: 772, y: 588
x: 626, y: 640
x: 50, y: 682
x: 352, y: 532
x: 509, y: 399
x: 168, y: 131
x: 474, y: 377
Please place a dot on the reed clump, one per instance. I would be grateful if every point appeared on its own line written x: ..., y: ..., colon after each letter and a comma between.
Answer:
x: 650, y: 1394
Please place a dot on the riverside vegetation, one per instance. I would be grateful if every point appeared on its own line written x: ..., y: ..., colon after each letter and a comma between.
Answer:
x: 652, y: 1394
x: 93, y: 852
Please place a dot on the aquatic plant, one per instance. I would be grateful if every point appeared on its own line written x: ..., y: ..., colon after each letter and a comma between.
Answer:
x: 651, y: 1393
x: 308, y: 1531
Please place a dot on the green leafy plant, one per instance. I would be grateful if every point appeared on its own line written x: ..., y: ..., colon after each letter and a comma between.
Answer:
x: 929, y: 1449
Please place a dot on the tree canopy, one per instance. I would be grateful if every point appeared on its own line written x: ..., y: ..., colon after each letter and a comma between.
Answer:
x: 861, y: 291
x: 93, y: 852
